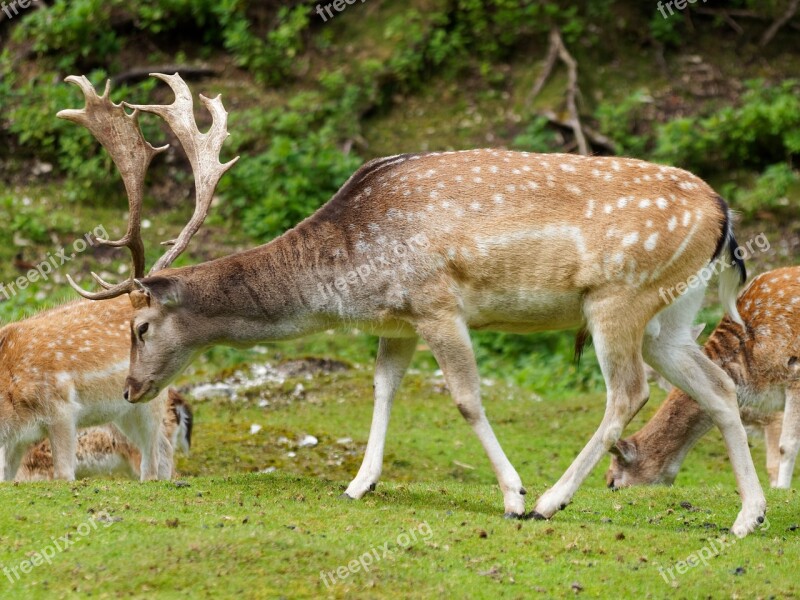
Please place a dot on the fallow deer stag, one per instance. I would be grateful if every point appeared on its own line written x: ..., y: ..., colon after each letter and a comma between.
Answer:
x: 762, y: 360
x: 514, y: 241
x: 62, y: 369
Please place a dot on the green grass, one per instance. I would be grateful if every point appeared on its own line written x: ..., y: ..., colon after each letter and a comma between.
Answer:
x: 233, y: 532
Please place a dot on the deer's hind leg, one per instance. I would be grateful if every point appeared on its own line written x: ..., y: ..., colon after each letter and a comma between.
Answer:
x: 671, y: 350
x: 790, y: 437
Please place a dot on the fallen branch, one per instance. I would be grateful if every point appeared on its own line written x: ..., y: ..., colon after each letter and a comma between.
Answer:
x: 557, y: 50
x: 778, y: 24
x: 741, y: 13
x: 594, y: 136
x: 144, y: 72
x: 572, y: 92
x: 549, y: 64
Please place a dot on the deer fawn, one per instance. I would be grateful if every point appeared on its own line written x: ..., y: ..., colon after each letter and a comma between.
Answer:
x: 762, y: 360
x: 514, y: 242
x: 62, y: 369
x: 104, y: 450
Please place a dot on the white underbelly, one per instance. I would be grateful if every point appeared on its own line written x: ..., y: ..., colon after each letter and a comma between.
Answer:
x: 522, y: 311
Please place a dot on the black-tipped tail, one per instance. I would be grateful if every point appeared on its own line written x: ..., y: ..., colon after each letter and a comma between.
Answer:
x: 734, y: 272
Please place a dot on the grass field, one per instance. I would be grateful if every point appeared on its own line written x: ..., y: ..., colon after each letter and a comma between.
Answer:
x: 255, y: 515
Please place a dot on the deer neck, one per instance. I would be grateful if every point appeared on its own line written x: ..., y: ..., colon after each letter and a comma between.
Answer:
x: 264, y: 294
x: 667, y: 438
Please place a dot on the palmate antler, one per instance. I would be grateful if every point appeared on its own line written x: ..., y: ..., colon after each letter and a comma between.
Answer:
x: 119, y: 133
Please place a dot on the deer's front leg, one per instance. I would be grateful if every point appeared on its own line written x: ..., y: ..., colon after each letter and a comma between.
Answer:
x: 772, y: 441
x: 13, y: 457
x: 449, y: 341
x: 790, y: 437
x: 394, y: 356
x: 64, y: 442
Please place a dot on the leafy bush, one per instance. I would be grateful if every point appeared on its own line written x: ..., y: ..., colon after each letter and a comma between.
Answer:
x: 536, y: 137
x: 770, y: 192
x: 762, y: 131
x: 276, y: 189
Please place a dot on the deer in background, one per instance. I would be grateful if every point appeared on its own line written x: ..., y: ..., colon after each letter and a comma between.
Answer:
x: 104, y: 450
x: 518, y: 242
x: 762, y: 360
x: 61, y: 370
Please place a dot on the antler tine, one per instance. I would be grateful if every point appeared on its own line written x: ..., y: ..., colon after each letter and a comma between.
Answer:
x: 119, y: 134
x: 202, y: 149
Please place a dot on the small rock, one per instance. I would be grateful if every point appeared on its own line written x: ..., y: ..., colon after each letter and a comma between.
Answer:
x: 182, y: 484
x: 255, y: 428
x: 344, y: 441
x: 268, y: 470
x: 309, y: 441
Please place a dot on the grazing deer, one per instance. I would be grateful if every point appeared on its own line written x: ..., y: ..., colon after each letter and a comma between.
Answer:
x: 62, y: 369
x: 762, y: 360
x: 104, y: 450
x: 514, y: 242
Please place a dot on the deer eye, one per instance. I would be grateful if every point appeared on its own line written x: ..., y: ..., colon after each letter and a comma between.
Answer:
x: 142, y: 329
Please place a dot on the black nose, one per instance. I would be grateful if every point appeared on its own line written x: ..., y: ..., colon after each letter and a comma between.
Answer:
x: 126, y: 394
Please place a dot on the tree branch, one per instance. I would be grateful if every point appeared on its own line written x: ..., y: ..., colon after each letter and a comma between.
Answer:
x: 776, y: 26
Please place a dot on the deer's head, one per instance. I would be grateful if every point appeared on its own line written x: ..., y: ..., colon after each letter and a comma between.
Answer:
x: 162, y: 341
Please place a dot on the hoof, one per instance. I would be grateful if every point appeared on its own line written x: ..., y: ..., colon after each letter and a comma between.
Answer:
x: 371, y: 487
x: 514, y: 516
x: 522, y: 491
x: 562, y: 507
x: 535, y: 516
x: 345, y: 496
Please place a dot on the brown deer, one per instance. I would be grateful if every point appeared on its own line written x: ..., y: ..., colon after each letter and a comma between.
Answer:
x: 104, y: 450
x: 62, y: 369
x: 762, y: 360
x: 513, y: 241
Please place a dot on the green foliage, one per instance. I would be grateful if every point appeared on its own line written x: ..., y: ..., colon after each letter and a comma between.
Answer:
x: 770, y: 192
x: 270, y: 60
x: 763, y: 130
x: 537, y: 136
x: 622, y: 121
x: 276, y: 189
x: 543, y: 362
x: 72, y: 30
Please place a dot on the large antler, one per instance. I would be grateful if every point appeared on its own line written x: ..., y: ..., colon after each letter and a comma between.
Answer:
x: 202, y: 149
x: 120, y: 135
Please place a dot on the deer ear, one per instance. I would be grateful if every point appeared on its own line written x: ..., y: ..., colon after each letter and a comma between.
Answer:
x: 624, y: 450
x: 697, y: 330
x: 164, y: 290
